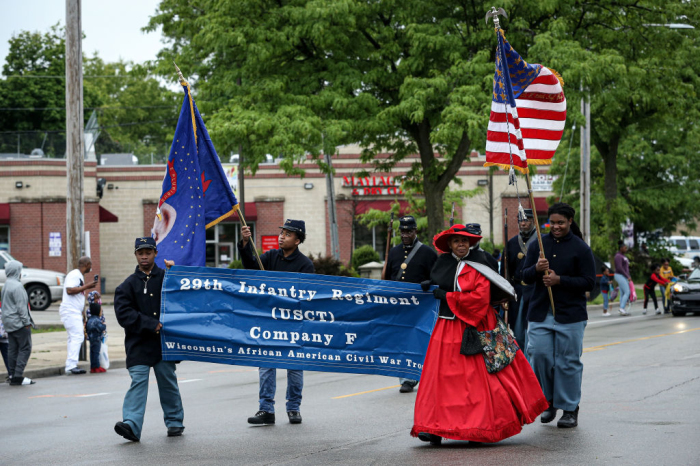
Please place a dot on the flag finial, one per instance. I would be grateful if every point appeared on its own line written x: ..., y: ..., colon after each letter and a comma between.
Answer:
x: 494, y: 13
x: 179, y: 74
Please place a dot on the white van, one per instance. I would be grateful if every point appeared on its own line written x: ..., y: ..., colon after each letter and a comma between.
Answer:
x: 687, y: 246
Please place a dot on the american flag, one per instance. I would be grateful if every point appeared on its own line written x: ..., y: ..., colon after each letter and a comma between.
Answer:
x: 528, y: 112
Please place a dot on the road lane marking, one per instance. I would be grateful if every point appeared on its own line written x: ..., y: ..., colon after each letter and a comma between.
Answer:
x: 232, y: 370
x: 363, y: 393
x: 70, y: 396
x: 188, y: 380
x: 601, y: 347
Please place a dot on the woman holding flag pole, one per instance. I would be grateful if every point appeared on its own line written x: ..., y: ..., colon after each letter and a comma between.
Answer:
x: 556, y: 332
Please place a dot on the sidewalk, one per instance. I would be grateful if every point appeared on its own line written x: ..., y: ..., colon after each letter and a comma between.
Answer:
x: 49, y: 349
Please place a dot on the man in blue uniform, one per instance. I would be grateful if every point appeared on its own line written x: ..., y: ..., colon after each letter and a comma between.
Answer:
x: 555, y: 336
x: 137, y: 306
x: 515, y: 255
x: 287, y: 258
x: 411, y: 261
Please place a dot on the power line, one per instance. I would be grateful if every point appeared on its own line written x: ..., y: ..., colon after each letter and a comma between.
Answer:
x: 31, y: 109
x: 35, y: 76
x: 134, y: 123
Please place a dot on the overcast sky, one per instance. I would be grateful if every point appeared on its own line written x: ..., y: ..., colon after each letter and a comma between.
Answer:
x: 112, y: 28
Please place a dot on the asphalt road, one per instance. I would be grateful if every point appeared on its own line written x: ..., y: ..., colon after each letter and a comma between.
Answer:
x: 640, y: 406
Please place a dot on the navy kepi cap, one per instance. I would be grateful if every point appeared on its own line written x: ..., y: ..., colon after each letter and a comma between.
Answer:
x: 407, y: 222
x: 145, y: 242
x: 297, y: 226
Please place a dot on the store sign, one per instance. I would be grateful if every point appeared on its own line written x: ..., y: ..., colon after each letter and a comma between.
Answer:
x: 55, y: 244
x: 543, y: 182
x: 231, y: 171
x: 269, y: 242
x: 373, y: 185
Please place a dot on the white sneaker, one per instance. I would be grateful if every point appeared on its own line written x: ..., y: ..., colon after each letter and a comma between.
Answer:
x: 623, y: 312
x: 657, y: 312
x: 644, y: 312
x: 606, y: 314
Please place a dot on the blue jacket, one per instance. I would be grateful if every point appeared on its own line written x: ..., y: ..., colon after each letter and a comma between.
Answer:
x: 571, y: 259
x: 95, y: 326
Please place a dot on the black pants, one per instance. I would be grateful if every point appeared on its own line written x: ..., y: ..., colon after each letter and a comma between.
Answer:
x: 19, y: 351
x: 3, y: 350
x: 652, y: 293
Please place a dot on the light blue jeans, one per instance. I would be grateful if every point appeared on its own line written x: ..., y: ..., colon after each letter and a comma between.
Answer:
x: 268, y: 387
x: 555, y: 356
x: 135, y: 399
x: 624, y: 285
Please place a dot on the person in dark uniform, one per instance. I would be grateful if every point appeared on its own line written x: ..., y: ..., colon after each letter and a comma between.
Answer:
x: 477, y: 254
x: 287, y: 258
x: 411, y: 261
x: 515, y: 254
x: 137, y: 307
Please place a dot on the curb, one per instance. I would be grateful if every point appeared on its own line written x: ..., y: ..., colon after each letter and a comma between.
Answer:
x: 56, y: 370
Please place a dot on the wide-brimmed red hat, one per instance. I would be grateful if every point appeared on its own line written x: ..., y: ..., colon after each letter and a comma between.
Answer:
x: 441, y: 241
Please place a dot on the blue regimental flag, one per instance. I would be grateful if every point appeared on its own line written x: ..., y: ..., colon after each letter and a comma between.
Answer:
x: 195, y: 195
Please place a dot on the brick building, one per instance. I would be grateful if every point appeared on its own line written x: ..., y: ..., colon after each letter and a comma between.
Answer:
x: 33, y: 209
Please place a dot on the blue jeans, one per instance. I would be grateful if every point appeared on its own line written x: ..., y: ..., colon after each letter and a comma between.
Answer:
x: 268, y: 387
x: 605, y: 301
x: 555, y: 356
x: 520, y: 329
x: 624, y: 285
x: 135, y: 399
x: 95, y: 345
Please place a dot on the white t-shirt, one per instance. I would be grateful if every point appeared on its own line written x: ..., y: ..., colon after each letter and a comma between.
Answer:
x: 73, y: 304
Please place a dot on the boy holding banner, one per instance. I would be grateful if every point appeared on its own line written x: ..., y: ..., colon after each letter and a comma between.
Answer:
x: 287, y: 258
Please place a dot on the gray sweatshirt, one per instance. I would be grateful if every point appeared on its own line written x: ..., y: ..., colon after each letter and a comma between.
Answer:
x: 15, y: 302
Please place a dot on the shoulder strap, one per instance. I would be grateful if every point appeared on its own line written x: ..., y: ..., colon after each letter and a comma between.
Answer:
x: 416, y: 247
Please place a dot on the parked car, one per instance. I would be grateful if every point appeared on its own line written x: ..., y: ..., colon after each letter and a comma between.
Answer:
x: 685, y: 294
x: 43, y: 286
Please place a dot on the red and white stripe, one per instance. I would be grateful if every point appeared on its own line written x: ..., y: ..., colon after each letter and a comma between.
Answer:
x: 536, y: 126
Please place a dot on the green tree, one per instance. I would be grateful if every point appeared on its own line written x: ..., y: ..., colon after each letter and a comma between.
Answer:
x: 135, y: 111
x: 409, y: 77
x: 638, y: 70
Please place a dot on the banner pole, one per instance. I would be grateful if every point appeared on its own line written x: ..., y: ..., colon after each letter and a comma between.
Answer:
x: 539, y: 234
x: 257, y: 256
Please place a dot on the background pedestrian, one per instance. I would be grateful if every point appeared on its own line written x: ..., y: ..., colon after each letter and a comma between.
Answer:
x: 17, y: 322
x: 650, y: 287
x: 605, y: 287
x: 622, y: 276
x: 72, y: 309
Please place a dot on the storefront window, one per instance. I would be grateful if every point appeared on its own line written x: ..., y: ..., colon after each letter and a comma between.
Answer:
x: 221, y: 243
x: 375, y: 237
x: 4, y: 238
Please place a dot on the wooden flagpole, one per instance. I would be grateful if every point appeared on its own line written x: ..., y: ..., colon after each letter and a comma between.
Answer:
x: 539, y: 233
x: 255, y: 250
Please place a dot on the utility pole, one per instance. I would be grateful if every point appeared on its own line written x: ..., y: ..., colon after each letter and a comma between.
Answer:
x: 332, y: 216
x: 585, y: 209
x: 74, y: 133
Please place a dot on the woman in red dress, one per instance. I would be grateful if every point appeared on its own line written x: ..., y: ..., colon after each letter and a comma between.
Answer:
x: 457, y: 398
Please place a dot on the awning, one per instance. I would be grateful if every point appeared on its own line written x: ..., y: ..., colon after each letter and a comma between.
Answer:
x: 4, y: 214
x: 251, y: 214
x: 382, y: 205
x: 541, y: 206
x: 107, y: 217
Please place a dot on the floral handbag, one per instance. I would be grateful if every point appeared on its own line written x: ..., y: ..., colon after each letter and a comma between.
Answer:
x: 499, y: 346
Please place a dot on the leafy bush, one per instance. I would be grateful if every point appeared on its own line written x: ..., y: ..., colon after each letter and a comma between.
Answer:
x: 331, y: 266
x: 364, y: 255
x: 236, y: 264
